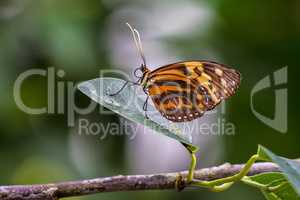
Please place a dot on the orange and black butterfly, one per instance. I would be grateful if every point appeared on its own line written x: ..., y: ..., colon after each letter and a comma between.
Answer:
x: 183, y: 91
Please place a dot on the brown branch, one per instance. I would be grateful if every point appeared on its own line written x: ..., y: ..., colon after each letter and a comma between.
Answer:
x: 122, y: 183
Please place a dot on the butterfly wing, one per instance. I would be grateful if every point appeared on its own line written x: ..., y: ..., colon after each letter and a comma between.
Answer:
x: 183, y: 91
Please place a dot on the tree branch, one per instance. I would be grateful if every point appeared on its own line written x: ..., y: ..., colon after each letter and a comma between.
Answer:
x: 55, y: 191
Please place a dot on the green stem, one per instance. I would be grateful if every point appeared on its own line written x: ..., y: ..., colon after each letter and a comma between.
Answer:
x: 221, y: 188
x: 192, y: 167
x: 221, y: 184
x: 192, y: 150
x: 249, y: 182
x: 224, y: 183
x: 277, y: 187
x: 267, y: 188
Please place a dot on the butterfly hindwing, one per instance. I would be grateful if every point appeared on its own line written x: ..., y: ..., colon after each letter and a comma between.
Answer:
x: 184, y: 91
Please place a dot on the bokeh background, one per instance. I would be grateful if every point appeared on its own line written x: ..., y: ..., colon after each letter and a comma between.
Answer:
x: 82, y: 37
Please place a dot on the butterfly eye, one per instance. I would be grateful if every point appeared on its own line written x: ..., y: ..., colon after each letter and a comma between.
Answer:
x: 138, y: 72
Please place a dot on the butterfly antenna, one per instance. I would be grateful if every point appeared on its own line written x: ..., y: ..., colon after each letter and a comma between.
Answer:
x: 141, y: 47
x: 138, y: 42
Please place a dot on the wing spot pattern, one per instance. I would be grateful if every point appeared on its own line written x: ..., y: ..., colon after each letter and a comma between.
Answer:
x: 223, y: 82
x: 219, y: 72
x: 201, y: 86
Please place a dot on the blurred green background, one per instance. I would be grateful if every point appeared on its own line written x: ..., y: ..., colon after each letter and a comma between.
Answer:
x: 83, y: 37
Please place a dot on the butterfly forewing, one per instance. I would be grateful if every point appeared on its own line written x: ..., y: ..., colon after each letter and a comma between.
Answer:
x: 184, y: 91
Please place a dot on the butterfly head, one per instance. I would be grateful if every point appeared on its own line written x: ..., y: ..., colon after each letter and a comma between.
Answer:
x: 141, y: 73
x: 144, y: 69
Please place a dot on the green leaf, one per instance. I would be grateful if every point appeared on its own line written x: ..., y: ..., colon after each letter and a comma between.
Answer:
x: 290, y: 168
x: 273, y: 180
x: 129, y: 104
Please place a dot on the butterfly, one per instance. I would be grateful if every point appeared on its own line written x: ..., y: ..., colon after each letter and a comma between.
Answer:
x: 184, y: 91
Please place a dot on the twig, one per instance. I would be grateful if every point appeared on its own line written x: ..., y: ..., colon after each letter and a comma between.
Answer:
x: 55, y: 191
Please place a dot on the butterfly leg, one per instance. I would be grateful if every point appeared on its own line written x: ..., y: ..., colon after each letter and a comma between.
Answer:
x: 145, y: 107
x: 120, y: 90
